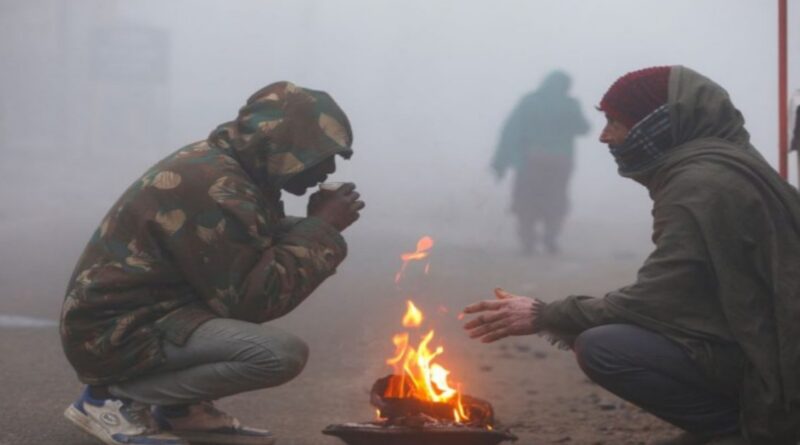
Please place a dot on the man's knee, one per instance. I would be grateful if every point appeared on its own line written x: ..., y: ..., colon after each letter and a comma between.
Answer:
x: 283, y: 359
x: 595, y: 350
x: 294, y: 356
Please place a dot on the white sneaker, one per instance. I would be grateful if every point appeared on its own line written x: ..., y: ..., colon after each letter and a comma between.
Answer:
x: 115, y: 421
x: 203, y: 423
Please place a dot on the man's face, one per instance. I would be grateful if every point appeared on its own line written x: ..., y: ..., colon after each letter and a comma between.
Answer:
x: 614, y: 133
x: 311, y: 177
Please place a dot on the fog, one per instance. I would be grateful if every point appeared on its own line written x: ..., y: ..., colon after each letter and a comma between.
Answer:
x: 93, y: 92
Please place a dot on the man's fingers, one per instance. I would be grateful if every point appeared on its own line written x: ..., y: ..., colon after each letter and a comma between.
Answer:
x: 474, y: 323
x: 496, y: 335
x: 488, y: 328
x: 476, y: 329
x: 501, y: 294
x: 346, y: 188
x: 485, y: 305
x: 490, y: 317
x: 356, y: 206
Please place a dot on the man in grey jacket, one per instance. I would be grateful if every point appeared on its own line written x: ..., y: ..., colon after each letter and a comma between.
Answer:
x: 705, y: 338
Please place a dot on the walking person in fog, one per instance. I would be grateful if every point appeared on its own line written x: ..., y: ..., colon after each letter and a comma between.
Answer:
x: 164, y: 311
x: 706, y: 338
x: 538, y: 143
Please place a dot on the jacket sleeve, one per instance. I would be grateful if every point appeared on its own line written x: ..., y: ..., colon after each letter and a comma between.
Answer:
x: 673, y: 283
x: 510, y: 147
x: 245, y: 262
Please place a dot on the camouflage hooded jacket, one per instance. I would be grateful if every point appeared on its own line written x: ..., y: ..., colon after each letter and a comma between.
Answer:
x: 202, y: 234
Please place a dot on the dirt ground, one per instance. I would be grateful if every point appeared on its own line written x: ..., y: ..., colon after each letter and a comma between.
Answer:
x: 537, y: 391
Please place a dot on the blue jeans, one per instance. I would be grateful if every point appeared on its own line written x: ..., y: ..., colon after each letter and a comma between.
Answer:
x: 222, y: 357
x: 654, y: 373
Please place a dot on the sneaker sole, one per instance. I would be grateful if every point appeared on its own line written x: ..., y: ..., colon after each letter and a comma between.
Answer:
x: 83, y: 422
x: 222, y: 439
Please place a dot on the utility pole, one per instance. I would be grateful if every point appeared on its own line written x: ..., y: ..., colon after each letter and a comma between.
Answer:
x: 783, y: 107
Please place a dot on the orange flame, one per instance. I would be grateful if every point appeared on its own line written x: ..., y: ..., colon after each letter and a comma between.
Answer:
x: 423, y: 246
x: 419, y: 376
x: 413, y: 316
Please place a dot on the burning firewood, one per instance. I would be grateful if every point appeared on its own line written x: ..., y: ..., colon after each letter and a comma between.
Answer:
x: 412, y: 411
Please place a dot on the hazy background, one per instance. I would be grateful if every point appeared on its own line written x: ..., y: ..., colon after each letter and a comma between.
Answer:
x: 92, y: 92
x: 95, y: 91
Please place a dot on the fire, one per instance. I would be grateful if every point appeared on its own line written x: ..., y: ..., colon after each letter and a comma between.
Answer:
x: 415, y: 373
x: 418, y: 376
x: 413, y: 316
x: 423, y: 246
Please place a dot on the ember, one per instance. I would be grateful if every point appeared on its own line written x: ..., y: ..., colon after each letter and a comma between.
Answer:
x: 418, y: 403
x: 423, y: 246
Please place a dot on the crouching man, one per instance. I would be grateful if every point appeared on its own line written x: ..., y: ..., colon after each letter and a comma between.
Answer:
x: 707, y: 336
x: 164, y: 311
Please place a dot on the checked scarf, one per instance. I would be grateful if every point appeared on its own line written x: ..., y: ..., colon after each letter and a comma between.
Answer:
x: 647, y: 143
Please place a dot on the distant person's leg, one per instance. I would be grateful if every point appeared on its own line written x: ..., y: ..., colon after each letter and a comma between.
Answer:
x: 556, y: 173
x: 222, y: 357
x: 654, y: 373
x: 551, y: 229
x: 523, y: 206
x: 526, y: 230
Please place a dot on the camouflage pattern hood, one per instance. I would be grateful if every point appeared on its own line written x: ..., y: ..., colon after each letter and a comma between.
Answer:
x: 284, y: 129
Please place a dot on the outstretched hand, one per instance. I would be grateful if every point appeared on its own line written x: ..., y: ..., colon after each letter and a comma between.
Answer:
x: 505, y: 316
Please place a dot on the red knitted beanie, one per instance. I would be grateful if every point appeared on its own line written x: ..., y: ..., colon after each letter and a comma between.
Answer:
x: 636, y: 94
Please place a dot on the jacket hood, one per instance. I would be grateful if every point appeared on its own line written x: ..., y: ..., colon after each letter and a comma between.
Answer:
x: 700, y: 108
x: 283, y: 130
x: 557, y: 83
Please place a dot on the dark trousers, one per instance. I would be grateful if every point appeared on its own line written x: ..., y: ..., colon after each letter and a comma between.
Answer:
x: 654, y: 373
